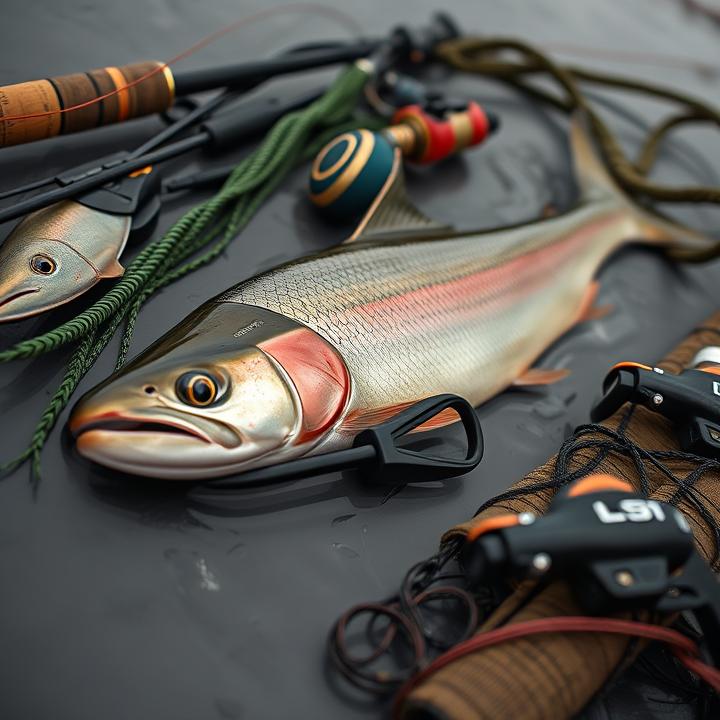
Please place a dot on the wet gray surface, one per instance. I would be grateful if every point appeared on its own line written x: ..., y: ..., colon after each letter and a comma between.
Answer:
x: 120, y: 598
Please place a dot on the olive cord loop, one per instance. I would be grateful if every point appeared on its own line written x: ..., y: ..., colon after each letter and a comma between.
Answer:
x: 484, y: 56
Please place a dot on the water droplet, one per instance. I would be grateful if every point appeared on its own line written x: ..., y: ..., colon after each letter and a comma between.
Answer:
x: 549, y: 407
x: 191, y: 571
x: 238, y: 548
x: 345, y: 550
x: 342, y: 518
x: 531, y: 428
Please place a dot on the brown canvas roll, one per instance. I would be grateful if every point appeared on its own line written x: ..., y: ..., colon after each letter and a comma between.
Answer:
x: 555, y: 675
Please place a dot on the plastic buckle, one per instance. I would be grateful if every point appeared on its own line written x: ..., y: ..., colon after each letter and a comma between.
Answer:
x: 691, y: 400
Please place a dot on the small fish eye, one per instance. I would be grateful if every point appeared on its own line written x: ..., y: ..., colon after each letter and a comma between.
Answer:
x: 197, y: 388
x: 43, y: 265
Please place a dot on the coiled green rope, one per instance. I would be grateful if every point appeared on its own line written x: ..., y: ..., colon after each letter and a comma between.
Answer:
x: 209, y: 227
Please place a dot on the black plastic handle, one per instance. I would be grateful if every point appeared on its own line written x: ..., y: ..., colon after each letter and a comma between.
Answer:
x: 399, y: 466
x: 619, y: 387
x: 376, y: 453
x: 252, y: 117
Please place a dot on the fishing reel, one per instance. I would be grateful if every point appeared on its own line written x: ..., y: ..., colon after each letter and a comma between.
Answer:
x: 350, y: 170
x: 616, y: 549
x: 691, y: 400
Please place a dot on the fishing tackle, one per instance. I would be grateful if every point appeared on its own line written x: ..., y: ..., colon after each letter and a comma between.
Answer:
x: 617, y: 549
x: 46, y: 108
x: 91, y: 332
x: 691, y: 399
x: 214, y: 134
x: 350, y: 170
x: 377, y: 454
x: 79, y: 241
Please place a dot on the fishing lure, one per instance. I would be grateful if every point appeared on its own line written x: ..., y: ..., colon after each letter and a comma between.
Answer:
x: 301, y: 359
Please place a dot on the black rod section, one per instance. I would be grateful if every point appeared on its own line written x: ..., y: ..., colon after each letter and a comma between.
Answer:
x: 296, y: 469
x: 102, y: 177
x: 194, y: 81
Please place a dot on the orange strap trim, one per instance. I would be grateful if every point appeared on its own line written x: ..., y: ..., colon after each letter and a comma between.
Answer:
x: 621, y: 365
x: 711, y: 370
x: 142, y: 171
x: 123, y: 93
x: 598, y: 483
x: 489, y: 524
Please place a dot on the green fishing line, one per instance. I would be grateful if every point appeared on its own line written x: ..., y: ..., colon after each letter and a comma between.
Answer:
x: 207, y: 229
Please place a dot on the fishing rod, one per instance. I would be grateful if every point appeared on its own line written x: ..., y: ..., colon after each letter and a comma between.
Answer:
x: 216, y: 134
x: 193, y: 116
x: 46, y: 108
x: 403, y: 43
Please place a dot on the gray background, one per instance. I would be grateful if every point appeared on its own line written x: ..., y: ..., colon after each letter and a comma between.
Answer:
x: 123, y: 599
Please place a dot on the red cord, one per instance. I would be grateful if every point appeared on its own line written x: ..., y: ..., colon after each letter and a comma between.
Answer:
x: 302, y: 7
x: 683, y: 647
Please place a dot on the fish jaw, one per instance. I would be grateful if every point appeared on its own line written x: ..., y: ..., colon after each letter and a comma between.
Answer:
x: 164, y: 449
x: 280, y: 390
x: 10, y: 310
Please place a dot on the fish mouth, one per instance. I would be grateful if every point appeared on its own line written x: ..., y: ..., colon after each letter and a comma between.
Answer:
x: 160, y: 447
x: 4, y: 302
x: 118, y: 424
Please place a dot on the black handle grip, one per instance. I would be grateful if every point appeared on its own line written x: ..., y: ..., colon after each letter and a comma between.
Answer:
x: 251, y: 118
x: 400, y: 466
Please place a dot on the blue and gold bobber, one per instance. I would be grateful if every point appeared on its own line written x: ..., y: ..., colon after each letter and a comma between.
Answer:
x: 349, y: 171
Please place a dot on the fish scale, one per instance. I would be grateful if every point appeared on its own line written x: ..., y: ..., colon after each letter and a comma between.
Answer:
x: 404, y: 326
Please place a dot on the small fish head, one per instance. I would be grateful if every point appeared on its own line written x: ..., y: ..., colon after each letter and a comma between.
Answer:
x: 56, y: 254
x: 202, y: 402
x: 37, y: 275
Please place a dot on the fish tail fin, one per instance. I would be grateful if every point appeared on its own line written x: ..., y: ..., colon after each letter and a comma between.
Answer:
x: 596, y: 184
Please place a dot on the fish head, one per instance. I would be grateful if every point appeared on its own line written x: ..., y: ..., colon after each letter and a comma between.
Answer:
x: 36, y: 275
x: 232, y: 388
x: 55, y: 254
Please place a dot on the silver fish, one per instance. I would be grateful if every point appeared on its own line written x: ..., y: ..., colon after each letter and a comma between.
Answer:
x: 56, y: 254
x: 298, y: 360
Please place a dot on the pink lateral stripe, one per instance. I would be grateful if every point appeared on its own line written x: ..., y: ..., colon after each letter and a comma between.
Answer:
x: 495, y: 287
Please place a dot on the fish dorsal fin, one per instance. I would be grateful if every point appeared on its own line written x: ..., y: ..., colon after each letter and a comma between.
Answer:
x: 590, y: 171
x: 392, y: 214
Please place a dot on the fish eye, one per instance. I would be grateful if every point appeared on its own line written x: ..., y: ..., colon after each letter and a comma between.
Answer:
x: 197, y: 388
x: 43, y: 265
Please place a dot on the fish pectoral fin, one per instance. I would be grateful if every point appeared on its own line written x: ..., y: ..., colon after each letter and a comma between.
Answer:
x: 597, y: 312
x: 588, y: 309
x: 541, y: 376
x: 393, y: 215
x: 112, y: 270
x: 361, y: 419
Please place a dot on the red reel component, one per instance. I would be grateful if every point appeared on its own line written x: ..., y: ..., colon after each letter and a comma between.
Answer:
x: 432, y: 139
